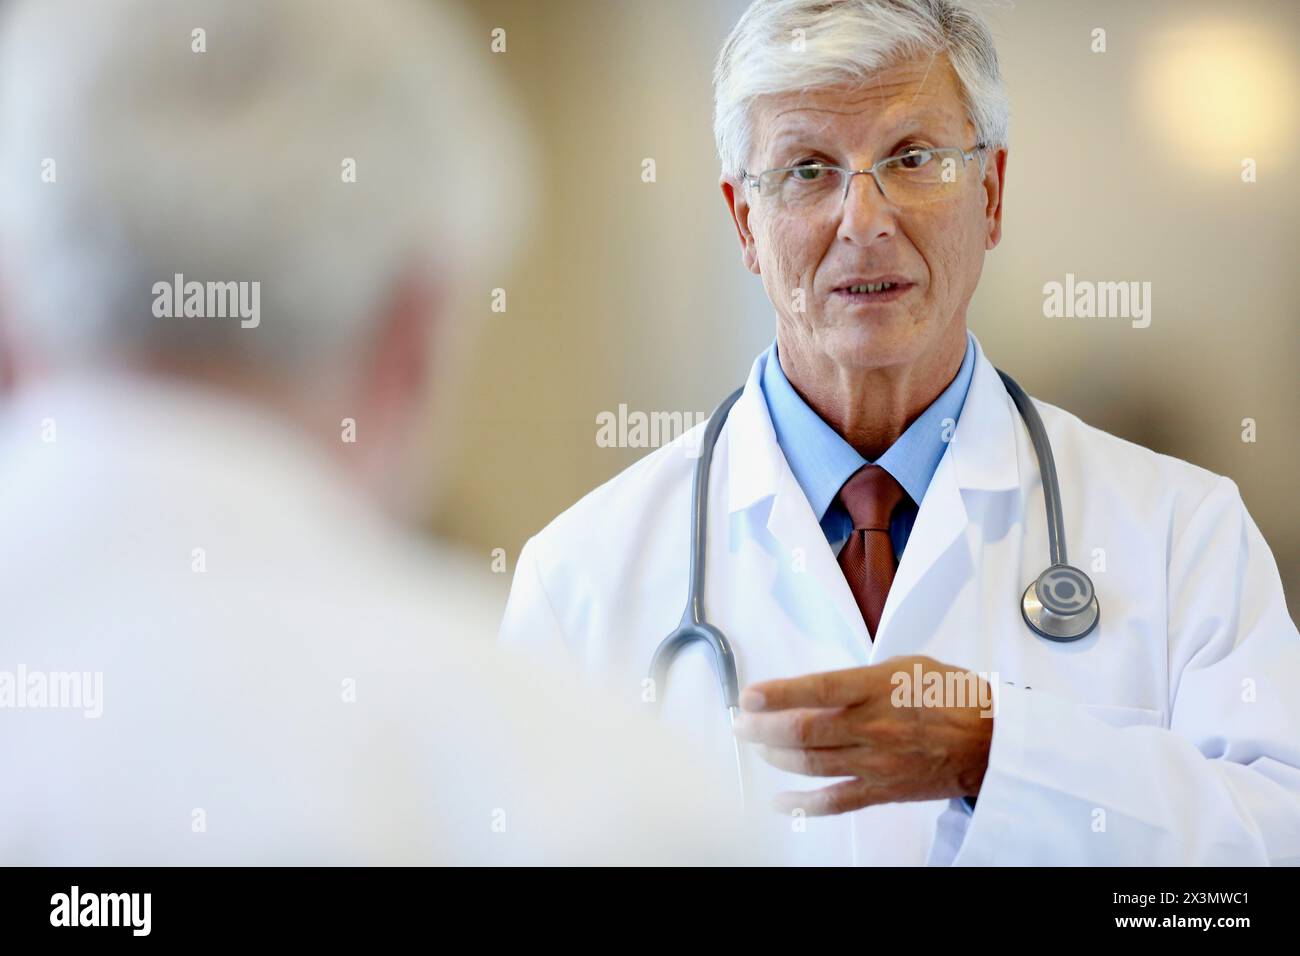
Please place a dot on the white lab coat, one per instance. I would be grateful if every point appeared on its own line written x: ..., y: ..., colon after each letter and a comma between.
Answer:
x: 286, y: 678
x: 1170, y: 735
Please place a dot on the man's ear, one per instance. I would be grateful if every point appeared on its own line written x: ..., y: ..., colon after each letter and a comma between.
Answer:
x: 739, y: 207
x: 995, y: 179
x: 400, y: 362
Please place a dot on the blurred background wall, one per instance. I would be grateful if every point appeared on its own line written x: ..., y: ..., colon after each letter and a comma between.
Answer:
x: 1124, y: 165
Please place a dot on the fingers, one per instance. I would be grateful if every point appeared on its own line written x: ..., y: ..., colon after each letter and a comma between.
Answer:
x: 798, y: 728
x: 818, y: 761
x: 837, y: 798
x: 827, y: 689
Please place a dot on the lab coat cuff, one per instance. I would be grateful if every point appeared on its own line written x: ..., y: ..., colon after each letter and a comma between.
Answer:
x: 993, y: 814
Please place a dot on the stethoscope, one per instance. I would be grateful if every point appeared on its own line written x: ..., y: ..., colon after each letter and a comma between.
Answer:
x: 1060, y: 604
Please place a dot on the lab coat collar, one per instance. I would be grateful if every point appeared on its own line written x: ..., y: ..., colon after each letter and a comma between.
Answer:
x: 983, y: 446
x: 754, y: 459
x: 981, y: 457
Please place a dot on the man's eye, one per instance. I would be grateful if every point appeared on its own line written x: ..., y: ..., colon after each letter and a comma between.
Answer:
x: 808, y: 172
x: 914, y: 158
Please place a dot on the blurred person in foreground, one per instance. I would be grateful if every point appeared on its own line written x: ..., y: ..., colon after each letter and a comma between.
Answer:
x: 229, y: 235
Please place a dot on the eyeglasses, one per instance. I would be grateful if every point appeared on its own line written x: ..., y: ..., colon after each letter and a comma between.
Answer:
x: 914, y: 177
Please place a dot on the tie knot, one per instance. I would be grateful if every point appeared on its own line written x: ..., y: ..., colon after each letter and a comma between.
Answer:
x: 870, y: 497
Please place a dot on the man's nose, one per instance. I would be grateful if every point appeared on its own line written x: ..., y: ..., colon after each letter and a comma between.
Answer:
x: 866, y: 215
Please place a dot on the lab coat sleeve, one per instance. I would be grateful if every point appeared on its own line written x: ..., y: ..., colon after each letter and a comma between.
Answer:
x: 530, y: 623
x: 1218, y: 783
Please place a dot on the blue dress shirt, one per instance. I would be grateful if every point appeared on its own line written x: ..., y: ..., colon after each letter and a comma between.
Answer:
x: 822, y: 460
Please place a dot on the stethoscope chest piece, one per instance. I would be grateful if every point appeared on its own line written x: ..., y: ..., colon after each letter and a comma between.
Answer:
x: 1061, y: 604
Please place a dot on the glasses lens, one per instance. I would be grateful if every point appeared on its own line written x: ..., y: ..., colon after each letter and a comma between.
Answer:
x: 803, y: 187
x: 924, y: 175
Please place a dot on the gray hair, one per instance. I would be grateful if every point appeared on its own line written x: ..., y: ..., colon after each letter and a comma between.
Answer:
x: 231, y: 164
x: 845, y: 40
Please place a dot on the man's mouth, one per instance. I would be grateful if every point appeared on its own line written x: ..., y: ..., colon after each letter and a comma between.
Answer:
x: 871, y: 292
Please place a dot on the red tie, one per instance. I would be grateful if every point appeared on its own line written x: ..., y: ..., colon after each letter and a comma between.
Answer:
x: 867, y: 559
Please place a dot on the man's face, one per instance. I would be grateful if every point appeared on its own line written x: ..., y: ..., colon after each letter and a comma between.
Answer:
x: 937, y: 247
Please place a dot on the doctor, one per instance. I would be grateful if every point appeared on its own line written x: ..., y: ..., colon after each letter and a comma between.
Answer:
x: 876, y: 511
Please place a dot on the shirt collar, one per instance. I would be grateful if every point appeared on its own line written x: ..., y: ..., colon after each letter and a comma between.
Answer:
x: 822, y: 460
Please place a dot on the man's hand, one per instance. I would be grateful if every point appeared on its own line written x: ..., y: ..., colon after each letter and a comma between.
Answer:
x: 865, y: 723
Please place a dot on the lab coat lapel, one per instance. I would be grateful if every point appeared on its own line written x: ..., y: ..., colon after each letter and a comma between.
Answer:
x: 943, y: 549
x: 940, y: 522
x: 758, y: 472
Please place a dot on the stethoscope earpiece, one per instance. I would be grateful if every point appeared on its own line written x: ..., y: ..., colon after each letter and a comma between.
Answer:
x: 1061, y: 604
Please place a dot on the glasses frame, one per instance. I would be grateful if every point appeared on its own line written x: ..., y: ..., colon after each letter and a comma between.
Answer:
x: 873, y: 171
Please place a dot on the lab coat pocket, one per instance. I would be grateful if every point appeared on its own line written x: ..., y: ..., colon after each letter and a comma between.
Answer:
x: 1118, y: 715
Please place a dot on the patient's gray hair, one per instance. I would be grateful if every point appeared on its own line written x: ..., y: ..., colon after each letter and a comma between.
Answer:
x: 229, y: 165
x: 785, y: 46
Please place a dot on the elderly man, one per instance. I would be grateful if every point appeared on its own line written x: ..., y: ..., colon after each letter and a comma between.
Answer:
x: 880, y: 511
x: 217, y: 648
